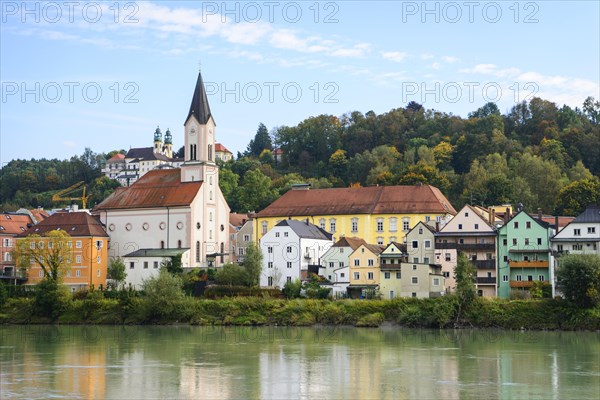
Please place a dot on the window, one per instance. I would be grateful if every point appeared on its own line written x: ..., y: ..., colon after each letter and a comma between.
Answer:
x: 370, y: 276
x: 461, y: 241
x: 98, y: 244
x: 436, y: 281
x: 416, y: 260
x: 270, y: 281
x: 415, y: 244
x: 276, y: 234
x: 528, y: 225
x: 559, y: 247
x: 370, y: 262
x: 504, y: 278
x: 7, y: 256
x: 288, y: 279
x: 270, y: 264
x: 240, y: 251
x: 425, y: 260
x: 285, y: 234
x: 405, y: 224
x: 519, y: 278
x: 459, y: 226
x: 379, y: 224
x: 270, y: 250
x: 505, y: 258
x: 7, y: 243
x: 577, y: 232
x: 78, y: 259
x: 332, y: 225
x: 162, y: 244
x: 476, y: 226
x: 78, y: 273
x: 504, y: 242
x: 398, y: 275
x: 516, y: 225
x: 380, y: 241
x: 246, y: 238
x: 446, y: 274
x: 414, y: 280
x: 577, y: 247
x: 386, y: 275
x: 322, y: 223
x: 514, y: 242
x: 289, y: 264
x: 466, y: 214
x: 591, y: 229
x: 414, y: 267
x: 41, y: 274
x: 393, y: 224
x: 155, y: 264
x: 539, y: 241
x: 529, y: 278
x: 341, y: 264
x: 131, y: 265
x: 357, y: 275
x: 98, y: 260
x: 264, y: 227
x: 541, y: 278
x: 393, y: 239
x: 447, y: 256
x: 145, y: 264
x: 428, y: 244
x: 288, y: 249
x: 342, y: 275
x: 526, y: 241
x: 357, y: 262
x: 78, y: 244
x: 420, y: 231
x: 331, y: 264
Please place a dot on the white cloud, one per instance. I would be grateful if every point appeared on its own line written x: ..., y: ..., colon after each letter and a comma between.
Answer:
x: 449, y: 59
x: 396, y: 56
x: 436, y: 65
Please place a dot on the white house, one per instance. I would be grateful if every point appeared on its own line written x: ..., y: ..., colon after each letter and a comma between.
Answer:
x: 334, y: 263
x: 175, y: 208
x: 581, y: 236
x: 289, y: 248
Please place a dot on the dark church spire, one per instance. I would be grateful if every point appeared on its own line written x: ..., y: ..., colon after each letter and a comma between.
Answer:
x: 199, y: 107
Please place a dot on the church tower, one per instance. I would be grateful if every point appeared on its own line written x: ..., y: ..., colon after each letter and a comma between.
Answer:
x: 168, y: 144
x: 157, y: 141
x: 199, y: 150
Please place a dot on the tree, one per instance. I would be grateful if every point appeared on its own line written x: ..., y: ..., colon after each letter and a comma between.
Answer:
x: 163, y: 295
x: 52, y: 252
x: 578, y: 278
x: 116, y: 273
x: 261, y: 141
x: 231, y: 275
x: 255, y: 193
x: 172, y: 265
x: 253, y: 264
x: 574, y: 198
x: 464, y: 274
x: 488, y: 109
x: 591, y: 107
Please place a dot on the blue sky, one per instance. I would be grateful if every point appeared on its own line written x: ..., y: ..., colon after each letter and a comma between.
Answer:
x: 105, y: 74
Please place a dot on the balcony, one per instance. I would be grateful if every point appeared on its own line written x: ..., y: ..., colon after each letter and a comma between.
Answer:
x: 528, y: 264
x: 11, y: 274
x: 525, y: 284
x: 486, y: 281
x: 484, y: 264
x: 466, y: 246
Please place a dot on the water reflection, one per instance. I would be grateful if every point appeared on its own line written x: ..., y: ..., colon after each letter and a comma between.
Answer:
x: 278, y: 362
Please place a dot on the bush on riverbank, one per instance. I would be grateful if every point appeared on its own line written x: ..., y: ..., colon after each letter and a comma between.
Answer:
x: 415, y: 313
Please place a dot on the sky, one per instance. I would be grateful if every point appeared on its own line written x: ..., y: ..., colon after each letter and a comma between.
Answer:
x: 104, y: 75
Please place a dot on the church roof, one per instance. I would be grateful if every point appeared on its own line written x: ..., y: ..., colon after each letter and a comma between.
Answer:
x: 145, y: 154
x: 74, y: 223
x: 157, y: 188
x: 414, y: 199
x: 199, y: 107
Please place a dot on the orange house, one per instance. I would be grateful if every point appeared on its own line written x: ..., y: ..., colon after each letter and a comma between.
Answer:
x: 88, y: 247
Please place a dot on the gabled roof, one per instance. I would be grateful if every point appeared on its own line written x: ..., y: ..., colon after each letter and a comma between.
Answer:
x: 399, y: 246
x: 74, y: 223
x: 541, y: 223
x: 157, y: 188
x: 306, y: 230
x: 199, y: 107
x: 352, y: 242
x: 221, y: 149
x: 236, y: 219
x: 590, y: 215
x: 373, y: 248
x: 475, y: 213
x: 145, y: 154
x: 14, y: 224
x: 116, y: 158
x: 421, y: 223
x: 363, y: 200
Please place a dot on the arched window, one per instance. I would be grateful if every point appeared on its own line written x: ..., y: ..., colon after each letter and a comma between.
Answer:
x: 162, y: 244
x: 179, y: 244
x: 210, y: 155
x: 198, y: 251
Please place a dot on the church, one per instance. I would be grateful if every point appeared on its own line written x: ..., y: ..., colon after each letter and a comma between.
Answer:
x: 172, y: 211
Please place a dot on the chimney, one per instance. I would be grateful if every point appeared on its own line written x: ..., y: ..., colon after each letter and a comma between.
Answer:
x: 506, y: 215
x: 556, y: 223
x: 437, y: 226
x: 540, y: 214
x: 493, y: 216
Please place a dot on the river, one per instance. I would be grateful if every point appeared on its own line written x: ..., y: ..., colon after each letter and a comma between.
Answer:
x: 141, y: 362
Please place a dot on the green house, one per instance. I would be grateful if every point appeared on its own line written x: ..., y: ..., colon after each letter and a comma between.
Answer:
x: 524, y: 254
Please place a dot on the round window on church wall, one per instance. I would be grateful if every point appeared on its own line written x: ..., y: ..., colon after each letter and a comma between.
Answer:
x: 197, y: 225
x: 222, y: 228
x: 162, y: 226
x: 180, y: 225
x: 111, y: 227
x: 128, y: 227
x: 145, y: 226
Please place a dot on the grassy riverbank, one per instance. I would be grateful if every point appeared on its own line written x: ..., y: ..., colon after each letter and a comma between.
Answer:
x: 440, y: 312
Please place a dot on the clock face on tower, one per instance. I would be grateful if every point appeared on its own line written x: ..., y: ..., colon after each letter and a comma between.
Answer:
x: 193, y: 130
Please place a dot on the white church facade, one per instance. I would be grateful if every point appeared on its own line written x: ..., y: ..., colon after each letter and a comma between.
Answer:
x: 173, y: 211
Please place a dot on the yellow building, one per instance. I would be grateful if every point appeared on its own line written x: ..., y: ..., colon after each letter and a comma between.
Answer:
x: 88, y: 249
x: 377, y: 214
x: 364, y: 270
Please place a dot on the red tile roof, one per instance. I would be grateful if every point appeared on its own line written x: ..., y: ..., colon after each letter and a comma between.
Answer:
x: 116, y: 158
x: 39, y: 214
x: 352, y: 242
x: 221, y: 149
x: 236, y: 219
x: 157, y: 188
x: 364, y: 200
x: 13, y: 224
x: 74, y: 223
